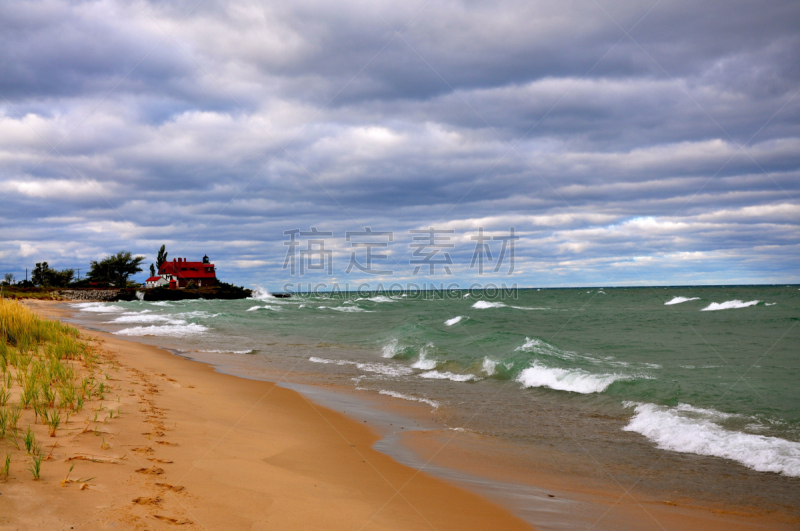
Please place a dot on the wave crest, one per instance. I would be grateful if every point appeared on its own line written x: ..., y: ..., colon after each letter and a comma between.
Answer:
x: 573, y: 380
x: 728, y: 305
x: 181, y: 330
x: 693, y: 430
x: 678, y: 300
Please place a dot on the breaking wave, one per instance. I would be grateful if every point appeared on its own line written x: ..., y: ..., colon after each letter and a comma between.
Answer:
x: 489, y: 366
x: 423, y: 362
x: 573, y: 380
x: 267, y: 307
x: 728, y: 305
x: 379, y: 298
x: 678, y: 300
x: 483, y: 305
x: 454, y: 320
x: 436, y: 375
x: 390, y: 349
x: 97, y: 307
x: 176, y: 330
x: 695, y: 430
x: 147, y: 318
x: 261, y: 294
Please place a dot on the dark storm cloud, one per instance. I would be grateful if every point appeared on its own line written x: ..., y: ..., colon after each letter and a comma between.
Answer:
x: 668, y: 154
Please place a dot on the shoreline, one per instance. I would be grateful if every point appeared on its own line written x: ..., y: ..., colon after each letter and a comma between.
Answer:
x: 244, y: 454
x: 460, y: 468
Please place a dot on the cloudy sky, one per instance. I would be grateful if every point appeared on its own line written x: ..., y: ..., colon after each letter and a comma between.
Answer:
x: 645, y: 142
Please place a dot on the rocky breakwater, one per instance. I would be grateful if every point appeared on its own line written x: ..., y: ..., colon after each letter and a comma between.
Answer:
x: 103, y: 295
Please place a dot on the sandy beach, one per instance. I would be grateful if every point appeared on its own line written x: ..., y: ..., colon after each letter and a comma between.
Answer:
x: 189, y: 446
x: 204, y: 450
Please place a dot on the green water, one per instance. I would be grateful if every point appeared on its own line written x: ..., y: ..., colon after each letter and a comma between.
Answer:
x: 715, y: 383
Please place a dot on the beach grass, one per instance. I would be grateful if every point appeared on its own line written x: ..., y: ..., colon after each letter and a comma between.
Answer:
x: 46, y: 370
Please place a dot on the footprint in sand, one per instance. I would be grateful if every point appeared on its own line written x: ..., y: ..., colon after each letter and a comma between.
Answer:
x: 145, y: 450
x: 152, y: 471
x: 173, y: 521
x: 143, y: 500
x: 173, y: 488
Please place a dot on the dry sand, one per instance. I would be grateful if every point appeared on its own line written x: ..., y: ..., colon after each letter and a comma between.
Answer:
x: 204, y: 450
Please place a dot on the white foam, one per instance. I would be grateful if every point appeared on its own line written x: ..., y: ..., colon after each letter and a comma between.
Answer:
x: 249, y: 351
x: 770, y: 303
x: 181, y: 330
x: 97, y: 307
x: 527, y: 308
x: 436, y: 375
x: 466, y: 295
x: 261, y: 294
x: 483, y: 305
x: 454, y: 320
x: 147, y: 318
x: 385, y: 369
x: 160, y: 303
x: 573, y: 380
x: 389, y: 350
x: 379, y: 298
x: 327, y: 361
x: 423, y: 362
x: 678, y: 300
x: 541, y: 347
x: 379, y: 368
x: 197, y: 314
x: 344, y: 308
x: 267, y: 307
x: 694, y: 430
x: 489, y: 366
x: 728, y: 305
x: 395, y: 394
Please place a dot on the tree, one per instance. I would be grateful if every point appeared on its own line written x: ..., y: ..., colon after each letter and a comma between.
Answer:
x: 43, y: 275
x: 115, y: 269
x: 152, y: 270
x: 8, y: 279
x: 162, y: 257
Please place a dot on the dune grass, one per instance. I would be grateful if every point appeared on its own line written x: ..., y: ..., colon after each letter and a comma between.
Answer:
x: 45, y: 369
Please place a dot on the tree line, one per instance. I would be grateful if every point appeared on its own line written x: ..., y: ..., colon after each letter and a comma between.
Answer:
x: 113, y: 270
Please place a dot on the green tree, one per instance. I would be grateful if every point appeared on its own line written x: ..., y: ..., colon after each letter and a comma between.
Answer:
x: 44, y: 275
x: 8, y: 279
x: 115, y: 269
x: 152, y: 270
x: 41, y: 274
x: 162, y: 257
